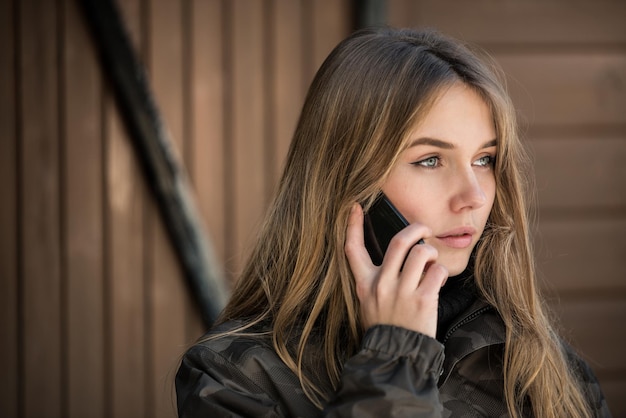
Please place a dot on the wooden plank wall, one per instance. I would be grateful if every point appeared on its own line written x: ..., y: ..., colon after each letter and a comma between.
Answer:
x: 94, y: 311
x: 566, y: 68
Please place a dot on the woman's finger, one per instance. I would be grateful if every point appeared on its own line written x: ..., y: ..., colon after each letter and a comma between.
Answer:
x: 401, y: 244
x: 417, y: 261
x: 433, y: 279
x: 356, y: 253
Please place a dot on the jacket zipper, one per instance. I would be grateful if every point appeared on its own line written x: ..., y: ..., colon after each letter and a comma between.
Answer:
x: 465, y: 320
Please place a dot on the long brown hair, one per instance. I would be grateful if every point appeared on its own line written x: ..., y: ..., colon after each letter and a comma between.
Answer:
x: 372, y: 89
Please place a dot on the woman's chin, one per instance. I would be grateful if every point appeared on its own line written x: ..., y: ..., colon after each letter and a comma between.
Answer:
x: 454, y: 267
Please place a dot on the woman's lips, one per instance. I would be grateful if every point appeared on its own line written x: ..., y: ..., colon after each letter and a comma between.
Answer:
x: 458, y: 238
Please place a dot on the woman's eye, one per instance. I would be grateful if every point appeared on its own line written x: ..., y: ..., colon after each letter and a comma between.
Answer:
x: 430, y: 162
x: 486, y: 161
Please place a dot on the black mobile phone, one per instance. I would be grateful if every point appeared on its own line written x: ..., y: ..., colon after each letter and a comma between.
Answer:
x: 382, y: 221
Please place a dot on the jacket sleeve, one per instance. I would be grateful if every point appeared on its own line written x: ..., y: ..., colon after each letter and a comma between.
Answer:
x: 394, y: 374
x: 590, y: 384
x: 208, y: 385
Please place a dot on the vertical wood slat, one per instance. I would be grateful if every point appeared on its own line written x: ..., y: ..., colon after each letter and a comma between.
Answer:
x: 167, y: 333
x: 169, y: 295
x: 127, y: 195
x: 195, y: 326
x: 287, y: 79
x: 248, y: 164
x: 207, y: 118
x: 205, y: 134
x: 40, y: 235
x: 126, y: 198
x: 9, y: 348
x: 82, y: 219
x: 331, y: 23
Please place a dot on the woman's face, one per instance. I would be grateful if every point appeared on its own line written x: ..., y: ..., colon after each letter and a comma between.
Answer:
x: 445, y: 179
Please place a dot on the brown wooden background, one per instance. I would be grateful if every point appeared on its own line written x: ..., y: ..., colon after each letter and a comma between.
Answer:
x: 94, y: 311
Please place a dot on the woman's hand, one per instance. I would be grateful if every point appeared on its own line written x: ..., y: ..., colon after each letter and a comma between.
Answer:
x: 396, y: 294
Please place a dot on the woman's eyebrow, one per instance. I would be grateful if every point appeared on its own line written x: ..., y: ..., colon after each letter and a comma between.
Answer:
x: 488, y: 144
x: 446, y: 145
x: 432, y: 142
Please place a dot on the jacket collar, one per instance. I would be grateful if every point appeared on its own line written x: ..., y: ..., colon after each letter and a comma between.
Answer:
x: 467, y: 335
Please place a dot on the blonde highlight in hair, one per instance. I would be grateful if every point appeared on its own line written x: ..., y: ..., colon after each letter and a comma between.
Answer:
x: 368, y: 95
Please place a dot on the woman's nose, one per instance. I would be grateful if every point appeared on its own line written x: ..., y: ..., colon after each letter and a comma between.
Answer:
x: 469, y: 193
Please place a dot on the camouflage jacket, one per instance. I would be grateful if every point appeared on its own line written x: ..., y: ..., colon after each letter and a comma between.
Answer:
x: 396, y: 373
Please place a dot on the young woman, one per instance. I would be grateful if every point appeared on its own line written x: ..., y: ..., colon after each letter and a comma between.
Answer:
x: 451, y: 323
